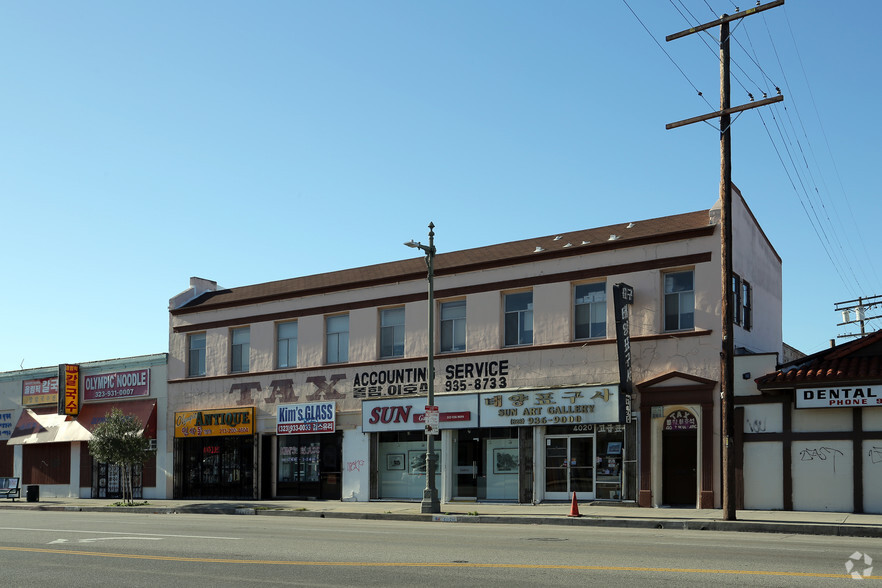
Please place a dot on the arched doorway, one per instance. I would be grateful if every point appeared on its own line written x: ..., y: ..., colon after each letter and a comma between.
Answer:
x: 680, y: 459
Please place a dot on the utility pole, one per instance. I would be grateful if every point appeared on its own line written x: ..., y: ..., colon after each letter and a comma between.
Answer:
x: 727, y: 353
x: 860, y: 313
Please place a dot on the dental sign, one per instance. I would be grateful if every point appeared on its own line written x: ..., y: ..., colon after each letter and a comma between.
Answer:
x: 297, y: 419
x: 839, y: 397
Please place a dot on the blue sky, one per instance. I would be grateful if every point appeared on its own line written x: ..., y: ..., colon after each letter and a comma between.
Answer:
x: 146, y: 142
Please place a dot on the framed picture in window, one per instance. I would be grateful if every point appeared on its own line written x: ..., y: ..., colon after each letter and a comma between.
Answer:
x: 505, y: 460
x: 416, y: 462
x: 614, y: 448
x: 395, y: 461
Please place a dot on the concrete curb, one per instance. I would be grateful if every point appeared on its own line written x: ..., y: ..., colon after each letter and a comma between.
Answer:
x: 802, y: 528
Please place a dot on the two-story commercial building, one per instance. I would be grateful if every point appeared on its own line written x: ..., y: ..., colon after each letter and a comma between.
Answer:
x: 315, y: 386
x: 50, y: 451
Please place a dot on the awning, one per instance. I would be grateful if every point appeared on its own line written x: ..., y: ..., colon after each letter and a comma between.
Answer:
x: 44, y: 426
x: 92, y: 415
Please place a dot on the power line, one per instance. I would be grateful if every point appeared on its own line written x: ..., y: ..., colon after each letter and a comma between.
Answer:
x: 683, y: 73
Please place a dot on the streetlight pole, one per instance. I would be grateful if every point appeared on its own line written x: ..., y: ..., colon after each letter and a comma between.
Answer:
x: 430, y: 503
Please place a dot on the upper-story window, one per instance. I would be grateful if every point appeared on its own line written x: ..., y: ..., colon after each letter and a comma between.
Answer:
x: 196, y: 355
x: 736, y: 299
x: 679, y: 300
x: 286, y: 345
x: 453, y: 326
x: 742, y: 306
x: 590, y: 311
x: 746, y: 305
x: 392, y: 332
x: 337, y: 338
x: 519, y: 319
x: 240, y: 349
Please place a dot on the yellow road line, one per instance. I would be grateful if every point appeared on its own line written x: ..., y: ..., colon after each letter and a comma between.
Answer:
x: 428, y: 565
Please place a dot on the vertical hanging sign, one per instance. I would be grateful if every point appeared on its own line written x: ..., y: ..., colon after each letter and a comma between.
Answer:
x: 623, y: 297
x: 69, y: 398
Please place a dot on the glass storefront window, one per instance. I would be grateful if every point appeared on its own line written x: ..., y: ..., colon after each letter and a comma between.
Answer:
x: 487, y: 463
x: 298, y: 462
x: 214, y: 467
x: 401, y: 465
x: 308, y: 466
x: 610, y: 451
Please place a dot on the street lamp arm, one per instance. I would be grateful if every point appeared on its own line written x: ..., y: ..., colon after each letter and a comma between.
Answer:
x: 429, y: 250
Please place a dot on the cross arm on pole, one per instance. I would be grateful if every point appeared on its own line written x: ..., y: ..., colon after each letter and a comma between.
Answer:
x: 719, y: 113
x: 725, y: 18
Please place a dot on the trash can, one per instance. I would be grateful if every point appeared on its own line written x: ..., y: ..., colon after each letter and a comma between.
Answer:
x: 33, y: 494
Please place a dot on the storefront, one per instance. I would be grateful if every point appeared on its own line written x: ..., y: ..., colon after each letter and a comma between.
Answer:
x: 398, y: 443
x: 810, y: 436
x: 129, y: 392
x: 51, y: 450
x: 215, y: 454
x: 580, y: 443
x: 525, y: 445
x: 308, y: 452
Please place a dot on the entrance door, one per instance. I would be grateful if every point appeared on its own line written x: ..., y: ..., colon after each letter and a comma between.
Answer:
x: 569, y: 467
x: 470, y: 474
x: 679, y: 479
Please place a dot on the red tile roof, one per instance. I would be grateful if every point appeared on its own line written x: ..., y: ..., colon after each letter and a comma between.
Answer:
x: 856, y: 361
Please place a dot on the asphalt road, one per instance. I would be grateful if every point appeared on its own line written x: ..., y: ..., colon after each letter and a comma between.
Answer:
x: 88, y: 549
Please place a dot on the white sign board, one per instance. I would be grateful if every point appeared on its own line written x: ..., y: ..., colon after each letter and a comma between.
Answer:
x: 7, y: 424
x: 564, y: 406
x: 839, y: 397
x: 456, y: 411
x: 313, y: 417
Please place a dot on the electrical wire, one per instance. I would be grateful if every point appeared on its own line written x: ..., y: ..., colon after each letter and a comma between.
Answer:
x: 715, y: 49
x: 827, y: 144
x: 804, y: 176
x: 680, y: 69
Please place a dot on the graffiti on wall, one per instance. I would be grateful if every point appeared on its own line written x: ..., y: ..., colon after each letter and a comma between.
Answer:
x: 756, y: 425
x: 823, y: 454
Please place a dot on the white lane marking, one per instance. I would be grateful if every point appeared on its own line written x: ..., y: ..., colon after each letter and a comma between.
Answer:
x: 94, y: 539
x: 117, y: 533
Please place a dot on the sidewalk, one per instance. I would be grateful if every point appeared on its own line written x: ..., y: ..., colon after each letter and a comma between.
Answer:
x: 622, y: 516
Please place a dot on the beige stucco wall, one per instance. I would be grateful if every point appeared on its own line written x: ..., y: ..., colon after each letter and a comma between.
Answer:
x: 553, y: 359
x: 753, y: 261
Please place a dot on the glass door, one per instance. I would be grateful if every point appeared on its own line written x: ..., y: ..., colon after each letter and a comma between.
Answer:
x: 470, y: 475
x: 569, y: 467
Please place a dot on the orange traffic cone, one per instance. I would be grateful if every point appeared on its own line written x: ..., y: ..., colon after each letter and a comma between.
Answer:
x: 574, y: 509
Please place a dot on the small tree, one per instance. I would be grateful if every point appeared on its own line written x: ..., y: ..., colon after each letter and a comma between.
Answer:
x: 118, y: 441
